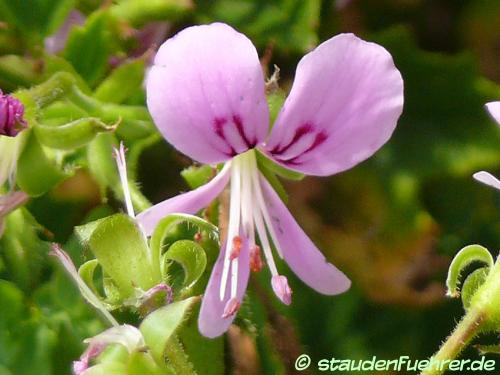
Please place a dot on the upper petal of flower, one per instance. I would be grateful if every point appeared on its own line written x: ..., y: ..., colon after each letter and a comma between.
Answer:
x: 211, y: 322
x: 187, y: 203
x: 344, y: 105
x: 494, y: 110
x: 305, y: 260
x: 206, y: 93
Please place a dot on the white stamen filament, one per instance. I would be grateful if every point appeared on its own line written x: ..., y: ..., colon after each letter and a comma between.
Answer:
x: 233, y: 230
x: 261, y: 230
x: 122, y: 171
x: 262, y: 205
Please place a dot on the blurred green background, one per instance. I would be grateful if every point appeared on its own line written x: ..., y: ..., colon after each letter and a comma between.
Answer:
x: 391, y: 224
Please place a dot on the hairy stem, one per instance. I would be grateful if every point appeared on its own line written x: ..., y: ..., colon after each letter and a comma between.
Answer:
x: 464, y: 332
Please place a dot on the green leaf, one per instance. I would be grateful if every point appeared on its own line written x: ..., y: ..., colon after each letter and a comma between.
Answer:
x: 142, y: 364
x: 466, y: 256
x: 89, y: 47
x: 472, y: 283
x: 159, y: 326
x: 16, y: 72
x: 12, y: 302
x: 86, y: 272
x: 37, y: 172
x: 71, y: 135
x: 121, y: 249
x: 191, y: 257
x: 122, y: 83
x: 138, y: 12
x: 170, y: 224
x: 36, y: 16
x: 197, y: 176
x: 290, y: 24
x: 264, y: 162
x: 201, y: 349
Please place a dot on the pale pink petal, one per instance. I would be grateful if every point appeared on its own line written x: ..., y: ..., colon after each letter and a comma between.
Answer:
x: 305, y: 260
x: 487, y: 179
x: 211, y: 322
x: 344, y: 105
x: 206, y: 95
x: 494, y: 110
x: 186, y: 203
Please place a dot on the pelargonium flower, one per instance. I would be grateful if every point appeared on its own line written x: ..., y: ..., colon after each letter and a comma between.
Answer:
x: 482, y: 176
x: 11, y: 115
x: 206, y: 94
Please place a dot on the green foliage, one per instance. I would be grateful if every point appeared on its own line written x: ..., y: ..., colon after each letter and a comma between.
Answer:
x: 122, y: 251
x: 90, y: 46
x: 37, y: 169
x: 290, y: 24
x: 39, y: 18
x: 159, y: 327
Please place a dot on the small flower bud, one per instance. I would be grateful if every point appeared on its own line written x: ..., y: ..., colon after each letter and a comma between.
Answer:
x: 232, y: 307
x: 11, y: 115
x: 282, y: 289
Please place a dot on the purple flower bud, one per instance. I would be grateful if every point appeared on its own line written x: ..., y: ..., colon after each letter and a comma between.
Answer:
x: 11, y: 115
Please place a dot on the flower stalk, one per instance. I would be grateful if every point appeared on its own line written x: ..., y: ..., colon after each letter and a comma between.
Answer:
x: 483, y: 315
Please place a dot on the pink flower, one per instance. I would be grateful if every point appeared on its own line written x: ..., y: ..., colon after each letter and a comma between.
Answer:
x: 482, y: 176
x: 206, y: 94
x: 11, y: 115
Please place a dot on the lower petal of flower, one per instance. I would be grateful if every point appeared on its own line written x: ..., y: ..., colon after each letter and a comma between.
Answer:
x: 305, y: 260
x: 215, y: 317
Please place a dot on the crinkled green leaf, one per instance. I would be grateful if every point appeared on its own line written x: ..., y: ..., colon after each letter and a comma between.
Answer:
x: 161, y: 324
x: 466, y: 256
x: 121, y: 249
x: 170, y: 224
x: 122, y: 83
x: 191, y: 257
x: 73, y: 134
x: 89, y: 47
x: 472, y: 283
x: 37, y: 172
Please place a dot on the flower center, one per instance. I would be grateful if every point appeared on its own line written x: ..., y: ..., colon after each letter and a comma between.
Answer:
x: 248, y: 214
